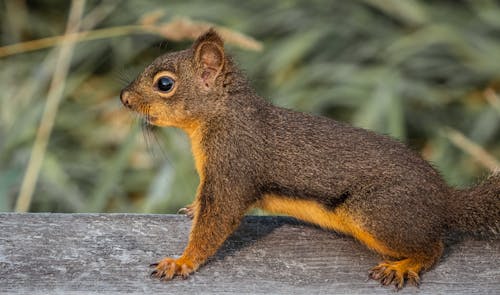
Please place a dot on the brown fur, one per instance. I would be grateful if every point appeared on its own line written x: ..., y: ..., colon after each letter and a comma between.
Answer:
x: 251, y: 153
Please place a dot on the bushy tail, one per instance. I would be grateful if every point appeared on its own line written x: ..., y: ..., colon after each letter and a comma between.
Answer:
x: 477, y: 210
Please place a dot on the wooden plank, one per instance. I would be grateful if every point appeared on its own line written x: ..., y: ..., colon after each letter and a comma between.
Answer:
x: 110, y: 253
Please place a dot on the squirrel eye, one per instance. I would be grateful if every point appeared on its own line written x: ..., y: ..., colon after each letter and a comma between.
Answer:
x: 165, y: 84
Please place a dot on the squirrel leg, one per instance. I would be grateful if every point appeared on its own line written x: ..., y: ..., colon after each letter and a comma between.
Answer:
x: 407, y: 269
x: 212, y: 224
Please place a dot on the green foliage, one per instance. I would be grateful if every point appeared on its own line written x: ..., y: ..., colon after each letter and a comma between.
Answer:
x: 410, y: 69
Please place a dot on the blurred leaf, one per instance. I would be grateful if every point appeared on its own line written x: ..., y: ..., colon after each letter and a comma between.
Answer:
x: 487, y: 10
x: 160, y: 188
x: 114, y: 168
x: 406, y: 68
x: 383, y: 112
x: 63, y: 188
x: 408, y: 11
x: 7, y: 181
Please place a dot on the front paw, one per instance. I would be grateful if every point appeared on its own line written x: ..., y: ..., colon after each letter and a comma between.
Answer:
x: 189, y: 210
x: 168, y: 268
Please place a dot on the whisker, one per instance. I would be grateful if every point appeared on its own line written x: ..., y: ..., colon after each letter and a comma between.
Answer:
x: 144, y: 129
x: 145, y: 134
x: 160, y: 148
x: 162, y: 45
x: 123, y: 77
x: 150, y: 137
x: 153, y: 144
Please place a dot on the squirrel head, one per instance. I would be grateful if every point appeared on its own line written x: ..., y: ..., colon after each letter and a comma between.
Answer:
x: 182, y: 88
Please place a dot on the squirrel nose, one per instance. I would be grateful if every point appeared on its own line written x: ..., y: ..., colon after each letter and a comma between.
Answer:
x: 125, y: 98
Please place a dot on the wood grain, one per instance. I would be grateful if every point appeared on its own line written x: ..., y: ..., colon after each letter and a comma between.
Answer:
x: 110, y: 253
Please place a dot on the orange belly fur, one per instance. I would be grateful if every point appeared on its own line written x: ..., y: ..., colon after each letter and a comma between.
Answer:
x: 337, y: 219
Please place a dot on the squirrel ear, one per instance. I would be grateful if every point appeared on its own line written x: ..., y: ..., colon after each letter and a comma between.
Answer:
x: 209, y: 56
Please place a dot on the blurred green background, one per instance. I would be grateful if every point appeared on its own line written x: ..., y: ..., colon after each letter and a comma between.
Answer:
x: 425, y: 72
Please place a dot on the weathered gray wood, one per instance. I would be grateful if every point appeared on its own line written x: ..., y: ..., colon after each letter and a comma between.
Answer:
x: 110, y: 253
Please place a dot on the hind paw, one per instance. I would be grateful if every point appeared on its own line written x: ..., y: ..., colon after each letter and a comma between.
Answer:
x: 396, y: 273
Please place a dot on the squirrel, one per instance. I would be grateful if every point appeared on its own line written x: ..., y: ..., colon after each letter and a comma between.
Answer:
x: 251, y: 154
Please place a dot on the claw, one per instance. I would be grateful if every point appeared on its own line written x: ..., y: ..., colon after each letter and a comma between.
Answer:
x: 399, y: 285
x: 188, y: 211
x: 388, y: 279
x: 153, y: 264
x: 413, y: 279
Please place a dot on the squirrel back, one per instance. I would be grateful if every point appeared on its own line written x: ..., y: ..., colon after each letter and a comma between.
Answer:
x: 249, y: 153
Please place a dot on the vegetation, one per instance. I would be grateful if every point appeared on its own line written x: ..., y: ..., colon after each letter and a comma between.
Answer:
x: 425, y: 72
